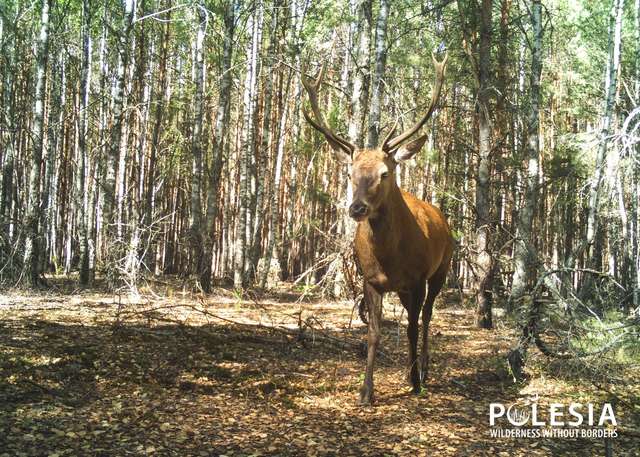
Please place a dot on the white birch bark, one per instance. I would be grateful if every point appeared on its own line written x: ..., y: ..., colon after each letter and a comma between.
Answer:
x: 611, y: 80
x: 196, y: 140
x: 32, y: 250
x: 220, y: 132
x: 523, y: 256
x: 247, y: 149
x: 378, y: 75
x: 82, y: 201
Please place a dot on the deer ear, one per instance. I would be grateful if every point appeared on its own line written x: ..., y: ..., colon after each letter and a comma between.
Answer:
x: 409, y: 150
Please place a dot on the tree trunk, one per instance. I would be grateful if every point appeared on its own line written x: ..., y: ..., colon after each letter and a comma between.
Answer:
x: 161, y: 102
x: 220, y: 131
x: 263, y: 156
x: 524, y: 258
x: 84, y: 124
x: 484, y: 260
x: 611, y: 80
x: 112, y: 214
x: 275, y: 194
x: 8, y: 138
x: 100, y: 191
x: 635, y: 187
x: 247, y: 148
x: 196, y: 142
x: 378, y: 75
x: 33, y: 236
x: 360, y: 95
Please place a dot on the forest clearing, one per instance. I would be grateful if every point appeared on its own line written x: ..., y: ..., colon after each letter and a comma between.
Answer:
x: 192, y: 375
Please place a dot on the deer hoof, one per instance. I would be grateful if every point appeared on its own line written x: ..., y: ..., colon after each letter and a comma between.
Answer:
x: 416, y: 384
x: 424, y: 372
x: 414, y: 378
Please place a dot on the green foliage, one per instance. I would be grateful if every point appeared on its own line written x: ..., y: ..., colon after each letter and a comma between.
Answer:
x: 457, y: 234
x: 567, y: 159
x: 323, y: 18
x: 320, y: 195
x: 613, y: 333
x: 336, y: 118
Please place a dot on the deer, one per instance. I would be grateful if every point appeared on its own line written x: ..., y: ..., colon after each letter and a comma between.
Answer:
x: 401, y: 243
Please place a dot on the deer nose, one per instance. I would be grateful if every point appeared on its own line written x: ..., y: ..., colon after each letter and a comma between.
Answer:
x: 358, y: 209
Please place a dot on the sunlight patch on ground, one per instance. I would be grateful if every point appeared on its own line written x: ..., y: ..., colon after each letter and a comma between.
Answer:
x: 234, y: 377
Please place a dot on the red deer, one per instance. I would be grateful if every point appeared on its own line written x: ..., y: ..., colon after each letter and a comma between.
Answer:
x: 401, y: 242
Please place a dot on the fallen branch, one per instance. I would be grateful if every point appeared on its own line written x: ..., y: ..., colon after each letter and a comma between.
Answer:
x: 305, y: 332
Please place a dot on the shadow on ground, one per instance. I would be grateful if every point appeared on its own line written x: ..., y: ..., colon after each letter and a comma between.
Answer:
x: 79, y: 380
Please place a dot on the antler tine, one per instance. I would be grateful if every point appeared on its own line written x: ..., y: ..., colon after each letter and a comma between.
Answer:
x: 312, y: 84
x: 440, y: 67
x: 389, y: 135
x: 320, y: 76
x: 319, y: 123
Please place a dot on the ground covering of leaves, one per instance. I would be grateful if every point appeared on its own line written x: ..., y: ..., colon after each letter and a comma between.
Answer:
x: 87, y: 374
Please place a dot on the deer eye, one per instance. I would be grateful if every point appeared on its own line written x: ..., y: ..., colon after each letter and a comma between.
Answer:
x: 385, y: 174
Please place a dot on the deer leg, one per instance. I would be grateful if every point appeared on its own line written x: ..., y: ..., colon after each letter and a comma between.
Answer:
x: 374, y: 302
x: 413, y: 303
x: 435, y: 284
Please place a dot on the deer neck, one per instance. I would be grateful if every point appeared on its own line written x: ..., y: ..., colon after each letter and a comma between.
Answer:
x: 385, y: 226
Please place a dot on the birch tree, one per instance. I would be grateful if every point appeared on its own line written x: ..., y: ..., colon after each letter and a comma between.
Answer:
x: 112, y: 211
x: 378, y: 75
x: 82, y: 201
x: 360, y: 76
x: 33, y: 237
x: 196, y: 141
x: 161, y: 98
x: 611, y: 81
x: 523, y: 255
x: 267, y: 69
x: 7, y: 136
x: 635, y: 190
x: 247, y: 147
x: 219, y: 135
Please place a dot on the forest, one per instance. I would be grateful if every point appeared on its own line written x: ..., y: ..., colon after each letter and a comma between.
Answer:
x: 177, y: 264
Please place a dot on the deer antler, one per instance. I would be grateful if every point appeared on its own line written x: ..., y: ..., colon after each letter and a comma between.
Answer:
x: 319, y: 123
x: 390, y: 144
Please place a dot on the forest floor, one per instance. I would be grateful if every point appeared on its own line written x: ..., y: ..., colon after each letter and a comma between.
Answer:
x: 83, y: 373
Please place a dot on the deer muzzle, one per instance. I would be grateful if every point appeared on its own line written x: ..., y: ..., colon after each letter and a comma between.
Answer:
x: 358, y: 210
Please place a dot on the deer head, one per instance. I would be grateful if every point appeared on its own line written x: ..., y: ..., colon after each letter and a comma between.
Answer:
x: 373, y: 170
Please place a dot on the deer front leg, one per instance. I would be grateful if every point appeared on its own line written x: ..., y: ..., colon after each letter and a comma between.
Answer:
x: 374, y: 302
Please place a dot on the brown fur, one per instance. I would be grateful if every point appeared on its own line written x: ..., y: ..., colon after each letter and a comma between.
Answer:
x: 405, y: 239
x: 401, y: 243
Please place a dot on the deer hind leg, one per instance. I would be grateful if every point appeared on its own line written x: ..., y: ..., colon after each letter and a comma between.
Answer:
x: 435, y: 285
x: 374, y: 304
x: 412, y: 301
